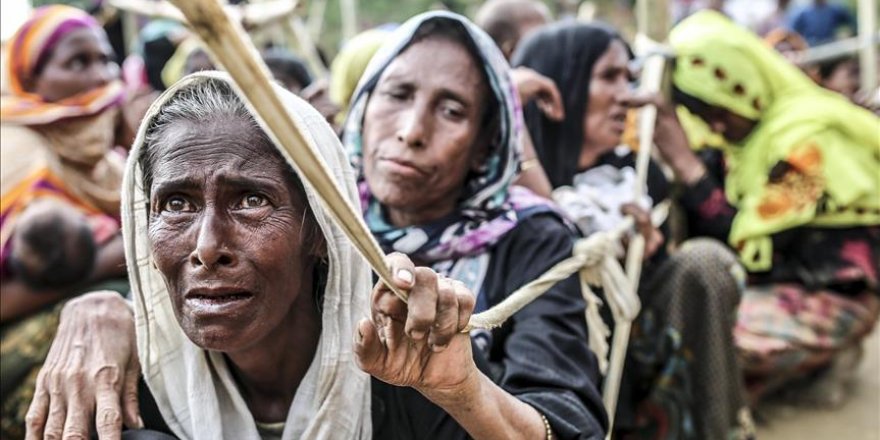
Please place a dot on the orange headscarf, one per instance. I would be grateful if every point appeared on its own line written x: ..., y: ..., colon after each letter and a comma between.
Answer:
x: 27, y: 49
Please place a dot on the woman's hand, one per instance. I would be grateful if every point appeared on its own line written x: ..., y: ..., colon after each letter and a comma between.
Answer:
x: 91, y: 372
x: 669, y: 136
x: 653, y: 237
x: 532, y: 85
x: 419, y: 344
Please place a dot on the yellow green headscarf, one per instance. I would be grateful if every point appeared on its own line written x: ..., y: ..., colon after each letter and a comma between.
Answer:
x: 813, y: 159
x: 350, y: 63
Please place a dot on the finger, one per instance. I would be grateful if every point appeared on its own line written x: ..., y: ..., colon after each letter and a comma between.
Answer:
x: 368, y: 347
x: 553, y: 111
x: 35, y: 420
x: 640, y: 99
x: 57, y: 412
x: 131, y: 414
x: 402, y: 270
x: 108, y: 411
x: 466, y: 302
x: 654, y: 243
x: 394, y: 339
x: 422, y: 304
x: 386, y: 303
x: 641, y: 218
x: 76, y: 424
x: 551, y: 101
x: 446, y: 323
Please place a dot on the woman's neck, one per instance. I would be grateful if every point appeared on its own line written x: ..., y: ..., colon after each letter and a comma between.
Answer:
x: 403, y: 217
x: 590, y: 155
x: 269, y: 372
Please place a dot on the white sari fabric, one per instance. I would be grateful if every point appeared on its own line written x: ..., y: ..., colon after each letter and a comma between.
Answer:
x: 193, y: 388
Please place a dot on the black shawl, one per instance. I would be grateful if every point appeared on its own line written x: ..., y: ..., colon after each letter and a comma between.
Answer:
x: 566, y: 53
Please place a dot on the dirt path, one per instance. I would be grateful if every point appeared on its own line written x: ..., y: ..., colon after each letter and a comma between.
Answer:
x: 858, y: 419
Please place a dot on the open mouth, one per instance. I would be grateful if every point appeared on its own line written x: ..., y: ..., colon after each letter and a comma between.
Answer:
x: 213, y: 301
x: 220, y: 299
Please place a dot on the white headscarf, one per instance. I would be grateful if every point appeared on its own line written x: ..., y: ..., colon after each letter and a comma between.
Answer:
x: 193, y: 388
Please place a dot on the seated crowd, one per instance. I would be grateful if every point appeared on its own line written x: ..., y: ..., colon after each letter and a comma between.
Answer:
x: 166, y: 273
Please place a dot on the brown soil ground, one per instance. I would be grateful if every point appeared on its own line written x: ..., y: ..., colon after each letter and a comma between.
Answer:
x: 857, y: 419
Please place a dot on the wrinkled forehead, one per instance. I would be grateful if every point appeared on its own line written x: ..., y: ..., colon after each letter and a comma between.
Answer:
x: 473, y: 43
x: 231, y: 148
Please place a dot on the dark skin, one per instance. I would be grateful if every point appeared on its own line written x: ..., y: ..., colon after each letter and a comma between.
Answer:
x: 605, y: 118
x: 80, y: 61
x: 604, y: 123
x: 422, y: 130
x: 422, y: 134
x: 226, y: 230
x: 670, y: 137
x: 198, y: 61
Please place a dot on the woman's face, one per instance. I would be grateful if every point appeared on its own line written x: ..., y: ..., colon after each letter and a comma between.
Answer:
x: 605, y: 118
x: 198, y: 61
x: 227, y: 233
x: 844, y: 78
x: 422, y: 130
x: 80, y: 62
x: 729, y: 125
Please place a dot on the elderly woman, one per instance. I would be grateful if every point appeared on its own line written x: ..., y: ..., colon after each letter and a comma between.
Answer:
x: 795, y: 193
x: 681, y: 378
x: 534, y: 377
x: 60, y: 186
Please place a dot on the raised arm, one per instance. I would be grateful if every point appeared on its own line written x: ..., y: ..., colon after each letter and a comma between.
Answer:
x: 420, y: 345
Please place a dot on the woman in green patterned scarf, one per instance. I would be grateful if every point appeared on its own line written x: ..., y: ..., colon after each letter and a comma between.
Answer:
x: 796, y: 191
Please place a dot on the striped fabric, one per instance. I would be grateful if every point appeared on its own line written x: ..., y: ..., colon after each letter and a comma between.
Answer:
x: 28, y: 49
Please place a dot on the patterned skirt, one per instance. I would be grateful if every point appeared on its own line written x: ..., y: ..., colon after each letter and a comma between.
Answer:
x: 785, y: 331
x: 682, y: 379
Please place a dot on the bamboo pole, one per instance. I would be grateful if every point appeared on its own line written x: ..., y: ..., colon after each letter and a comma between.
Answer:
x: 315, y: 21
x: 867, y: 15
x: 653, y: 23
x: 227, y: 43
x: 652, y: 75
x: 839, y: 48
x: 348, y: 11
x: 129, y: 30
x: 298, y: 37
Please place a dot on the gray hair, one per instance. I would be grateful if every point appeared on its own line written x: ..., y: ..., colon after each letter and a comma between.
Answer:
x: 201, y: 102
x: 211, y: 100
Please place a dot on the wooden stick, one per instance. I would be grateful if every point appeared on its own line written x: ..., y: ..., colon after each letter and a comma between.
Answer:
x: 867, y: 16
x: 298, y: 37
x: 834, y: 49
x: 226, y: 41
x: 652, y: 75
x: 315, y: 20
x: 348, y: 12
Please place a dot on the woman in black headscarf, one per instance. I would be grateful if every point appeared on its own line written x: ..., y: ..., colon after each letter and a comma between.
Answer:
x: 681, y: 378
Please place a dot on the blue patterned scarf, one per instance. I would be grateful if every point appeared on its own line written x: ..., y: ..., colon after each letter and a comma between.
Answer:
x: 489, y: 208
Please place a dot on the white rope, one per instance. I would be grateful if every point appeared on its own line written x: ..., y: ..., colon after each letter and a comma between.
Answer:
x: 595, y: 258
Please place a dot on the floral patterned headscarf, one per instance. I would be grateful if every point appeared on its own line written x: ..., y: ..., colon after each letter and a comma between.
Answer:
x: 489, y: 207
